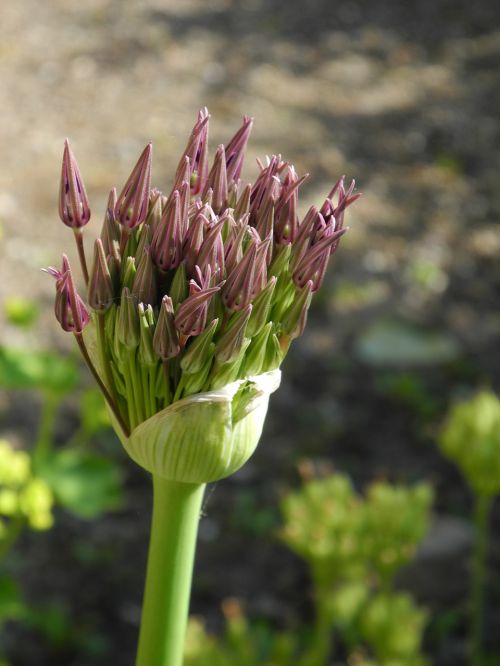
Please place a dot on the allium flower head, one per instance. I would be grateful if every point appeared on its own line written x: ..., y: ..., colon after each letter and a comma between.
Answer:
x: 198, y: 290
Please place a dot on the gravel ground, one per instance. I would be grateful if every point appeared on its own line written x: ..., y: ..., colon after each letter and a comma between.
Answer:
x: 406, y: 98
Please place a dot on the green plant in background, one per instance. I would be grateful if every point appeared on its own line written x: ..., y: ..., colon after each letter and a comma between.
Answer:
x: 471, y: 439
x: 33, y: 480
x: 25, y: 502
x: 354, y: 546
x: 193, y: 301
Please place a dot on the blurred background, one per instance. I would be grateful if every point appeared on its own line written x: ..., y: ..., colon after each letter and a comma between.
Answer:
x: 404, y: 97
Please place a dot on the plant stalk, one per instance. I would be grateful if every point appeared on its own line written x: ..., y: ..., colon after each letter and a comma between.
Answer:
x: 174, y: 528
x: 479, y: 569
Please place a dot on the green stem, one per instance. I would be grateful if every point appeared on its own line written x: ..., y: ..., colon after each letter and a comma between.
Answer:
x: 45, y: 438
x: 479, y: 568
x: 81, y: 254
x: 174, y: 527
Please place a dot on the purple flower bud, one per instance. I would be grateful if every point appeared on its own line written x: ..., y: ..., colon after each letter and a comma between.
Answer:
x: 196, y: 151
x: 166, y: 339
x: 144, y: 287
x: 69, y: 308
x: 313, y: 264
x: 74, y: 208
x: 166, y: 246
x: 237, y: 292
x: 312, y: 222
x: 183, y: 174
x: 110, y: 232
x: 212, y: 250
x: 192, y: 313
x: 194, y: 240
x: 233, y: 247
x: 132, y: 205
x: 285, y: 214
x: 235, y: 150
x: 217, y: 181
x: 100, y: 289
x: 156, y: 202
x: 243, y: 204
x: 229, y: 346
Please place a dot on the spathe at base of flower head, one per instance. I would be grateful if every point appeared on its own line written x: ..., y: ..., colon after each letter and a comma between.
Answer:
x: 196, y: 291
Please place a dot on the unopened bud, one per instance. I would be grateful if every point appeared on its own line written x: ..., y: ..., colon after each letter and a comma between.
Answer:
x: 229, y: 346
x: 200, y: 350
x: 166, y: 338
x: 74, y: 208
x: 100, y: 289
x: 133, y: 202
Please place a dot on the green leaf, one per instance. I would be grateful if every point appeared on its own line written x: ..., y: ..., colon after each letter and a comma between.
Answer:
x: 25, y: 369
x: 83, y: 483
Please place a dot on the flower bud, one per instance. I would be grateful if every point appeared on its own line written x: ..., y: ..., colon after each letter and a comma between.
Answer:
x: 199, y: 350
x: 231, y: 341
x: 256, y: 354
x: 295, y: 318
x: 147, y: 354
x: 235, y: 150
x: 167, y: 241
x: 192, y: 313
x: 132, y: 205
x: 127, y: 323
x: 261, y: 308
x: 100, y: 289
x: 144, y: 287
x: 69, y: 308
x: 217, y: 181
x: 166, y: 338
x: 74, y: 208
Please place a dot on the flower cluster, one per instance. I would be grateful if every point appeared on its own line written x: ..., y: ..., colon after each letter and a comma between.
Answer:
x: 190, y: 291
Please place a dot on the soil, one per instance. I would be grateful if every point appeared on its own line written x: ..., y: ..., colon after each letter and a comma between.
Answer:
x: 403, y: 96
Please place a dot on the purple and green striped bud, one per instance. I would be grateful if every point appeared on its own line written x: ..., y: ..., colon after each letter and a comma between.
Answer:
x: 242, y: 207
x: 217, y: 181
x: 133, y: 202
x: 295, y: 318
x: 166, y: 338
x: 235, y: 150
x: 128, y: 328
x: 147, y: 354
x: 110, y: 231
x: 191, y: 316
x: 166, y: 245
x: 197, y: 153
x: 230, y: 343
x: 144, y: 288
x: 69, y: 308
x: 200, y: 349
x: 74, y: 208
x: 100, y: 287
x: 261, y: 308
x: 253, y: 363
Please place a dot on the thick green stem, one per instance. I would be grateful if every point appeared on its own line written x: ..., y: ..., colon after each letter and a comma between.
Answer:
x: 174, y: 527
x: 479, y: 568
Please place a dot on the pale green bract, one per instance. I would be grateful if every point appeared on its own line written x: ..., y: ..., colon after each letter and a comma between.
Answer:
x: 207, y: 436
